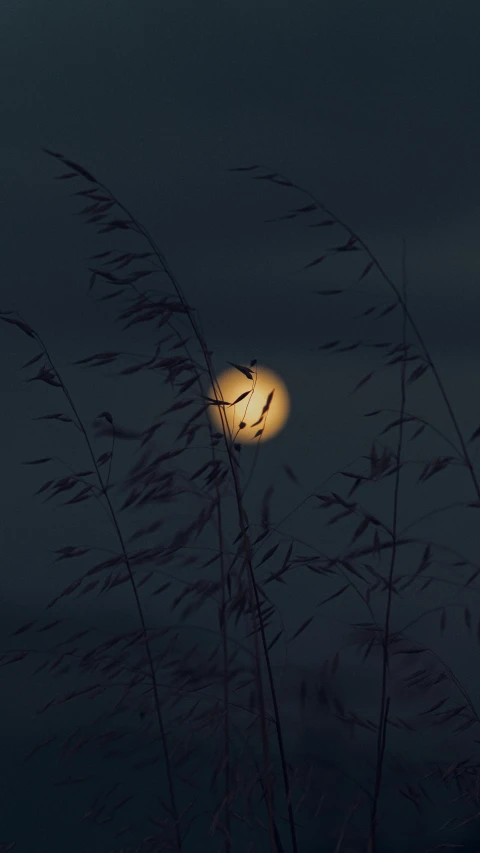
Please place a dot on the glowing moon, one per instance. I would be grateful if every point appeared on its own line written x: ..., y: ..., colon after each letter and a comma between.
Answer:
x: 265, y: 404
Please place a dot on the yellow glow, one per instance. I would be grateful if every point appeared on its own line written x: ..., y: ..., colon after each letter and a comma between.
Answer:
x: 232, y: 384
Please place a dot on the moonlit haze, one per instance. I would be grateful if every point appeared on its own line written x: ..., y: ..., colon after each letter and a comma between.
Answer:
x: 256, y: 396
x: 307, y: 183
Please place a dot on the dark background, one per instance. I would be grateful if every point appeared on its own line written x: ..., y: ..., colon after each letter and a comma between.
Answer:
x: 373, y: 107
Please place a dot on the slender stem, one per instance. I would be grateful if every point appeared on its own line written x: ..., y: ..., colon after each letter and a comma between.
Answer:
x: 407, y: 313
x: 226, y: 703
x: 153, y: 675
x: 137, y: 227
x: 384, y: 700
x: 207, y: 358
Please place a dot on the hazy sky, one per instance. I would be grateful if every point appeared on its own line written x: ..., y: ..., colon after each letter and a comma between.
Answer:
x: 372, y: 107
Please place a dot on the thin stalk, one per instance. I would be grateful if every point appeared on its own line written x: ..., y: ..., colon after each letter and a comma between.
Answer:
x: 261, y: 626
x: 226, y: 703
x: 384, y: 699
x: 153, y: 675
x: 284, y: 181
x: 207, y: 358
x: 139, y: 228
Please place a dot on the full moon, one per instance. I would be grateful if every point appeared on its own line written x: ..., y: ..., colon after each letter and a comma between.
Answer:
x: 263, y: 409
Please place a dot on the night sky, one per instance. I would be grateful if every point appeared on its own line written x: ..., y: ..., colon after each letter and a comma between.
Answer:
x: 373, y: 109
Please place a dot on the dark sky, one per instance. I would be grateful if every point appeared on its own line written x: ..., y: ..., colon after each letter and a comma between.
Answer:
x: 373, y: 108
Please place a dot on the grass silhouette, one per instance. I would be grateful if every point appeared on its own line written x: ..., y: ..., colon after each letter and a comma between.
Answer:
x: 218, y: 708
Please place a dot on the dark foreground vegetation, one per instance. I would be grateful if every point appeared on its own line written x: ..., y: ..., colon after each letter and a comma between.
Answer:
x: 188, y: 732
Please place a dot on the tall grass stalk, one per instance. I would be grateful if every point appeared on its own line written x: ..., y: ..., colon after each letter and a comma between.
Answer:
x: 146, y: 668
